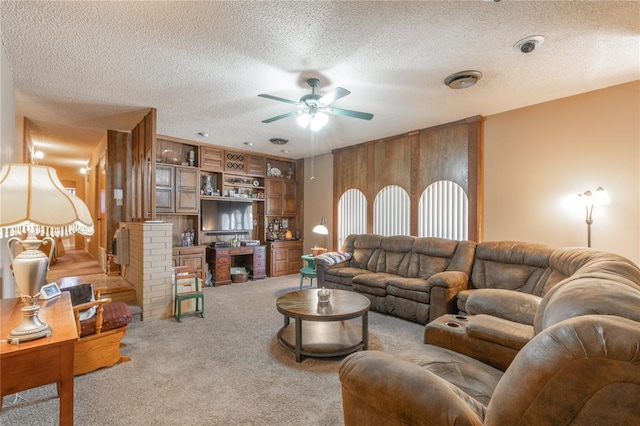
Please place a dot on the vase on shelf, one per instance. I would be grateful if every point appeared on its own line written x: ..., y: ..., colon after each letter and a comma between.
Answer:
x: 207, y: 187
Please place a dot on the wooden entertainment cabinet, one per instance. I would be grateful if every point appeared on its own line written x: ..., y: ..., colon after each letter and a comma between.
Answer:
x: 272, y: 185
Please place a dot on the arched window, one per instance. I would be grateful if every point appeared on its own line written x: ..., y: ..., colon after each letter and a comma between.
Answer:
x: 352, y: 215
x: 391, y: 211
x: 444, y: 211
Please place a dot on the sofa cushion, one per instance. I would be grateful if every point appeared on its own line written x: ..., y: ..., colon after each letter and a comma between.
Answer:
x: 581, y: 371
x: 365, y: 250
x: 333, y: 257
x: 472, y: 376
x: 591, y: 292
x: 497, y: 330
x: 461, y: 300
x: 432, y: 255
x: 506, y: 304
x: 512, y: 265
x: 348, y: 272
x: 409, y: 288
x: 395, y: 255
x: 375, y: 284
x: 380, y: 389
x: 115, y: 315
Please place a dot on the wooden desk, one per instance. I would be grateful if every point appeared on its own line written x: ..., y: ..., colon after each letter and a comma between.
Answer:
x: 43, y: 361
x: 221, y: 259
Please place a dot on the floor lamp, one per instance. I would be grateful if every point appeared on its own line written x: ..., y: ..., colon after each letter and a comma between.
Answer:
x: 34, y: 202
x: 590, y: 199
x: 321, y: 229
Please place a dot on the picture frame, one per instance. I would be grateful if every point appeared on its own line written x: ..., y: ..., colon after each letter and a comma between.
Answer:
x: 49, y: 291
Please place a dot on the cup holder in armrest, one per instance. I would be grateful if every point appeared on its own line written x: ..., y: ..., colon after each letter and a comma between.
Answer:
x: 452, y: 324
x: 461, y: 318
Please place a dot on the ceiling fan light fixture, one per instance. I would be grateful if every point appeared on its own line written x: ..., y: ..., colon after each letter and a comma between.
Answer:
x: 304, y: 119
x: 318, y: 121
x: 463, y: 79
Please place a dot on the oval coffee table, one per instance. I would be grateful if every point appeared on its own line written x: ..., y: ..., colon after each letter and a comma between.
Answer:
x: 323, y: 329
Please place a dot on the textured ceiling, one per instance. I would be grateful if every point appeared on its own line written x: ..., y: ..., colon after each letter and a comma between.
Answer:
x: 82, y: 67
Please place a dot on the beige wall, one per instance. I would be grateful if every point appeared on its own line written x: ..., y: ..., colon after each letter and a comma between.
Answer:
x: 318, y: 199
x: 10, y: 151
x: 536, y: 156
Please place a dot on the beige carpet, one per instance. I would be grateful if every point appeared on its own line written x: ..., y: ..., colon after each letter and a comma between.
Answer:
x: 225, y: 369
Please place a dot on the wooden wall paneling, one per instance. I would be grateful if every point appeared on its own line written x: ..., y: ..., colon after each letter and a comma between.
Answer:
x: 299, y: 178
x: 149, y: 162
x: 136, y: 181
x: 391, y: 166
x: 118, y: 177
x: 143, y: 138
x: 416, y: 168
x: 352, y: 168
x: 443, y: 156
x: 476, y: 177
x: 391, y: 161
x: 144, y: 212
x: 452, y: 151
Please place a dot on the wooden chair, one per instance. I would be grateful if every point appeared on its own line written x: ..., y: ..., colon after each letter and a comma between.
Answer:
x: 100, y: 337
x: 187, y: 286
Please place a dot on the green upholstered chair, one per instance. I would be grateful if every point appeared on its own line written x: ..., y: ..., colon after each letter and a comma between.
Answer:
x: 308, y: 271
x: 187, y: 286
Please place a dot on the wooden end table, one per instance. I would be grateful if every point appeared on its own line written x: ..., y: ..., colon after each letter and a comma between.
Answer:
x: 39, y: 362
x: 323, y: 329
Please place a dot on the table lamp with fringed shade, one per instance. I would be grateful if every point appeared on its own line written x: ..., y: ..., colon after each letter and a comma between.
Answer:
x: 34, y: 202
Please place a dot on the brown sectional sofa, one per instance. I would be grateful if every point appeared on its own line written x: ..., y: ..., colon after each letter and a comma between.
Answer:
x: 536, y: 336
x: 413, y: 278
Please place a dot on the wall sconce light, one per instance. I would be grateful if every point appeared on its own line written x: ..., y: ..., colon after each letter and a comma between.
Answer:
x: 85, y: 170
x: 589, y: 200
x: 321, y: 229
x: 37, y: 156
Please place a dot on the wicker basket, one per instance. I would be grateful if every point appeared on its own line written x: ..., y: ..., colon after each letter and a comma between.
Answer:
x: 240, y: 277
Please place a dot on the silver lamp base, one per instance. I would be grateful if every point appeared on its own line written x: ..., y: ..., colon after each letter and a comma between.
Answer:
x: 30, y: 272
x: 31, y: 328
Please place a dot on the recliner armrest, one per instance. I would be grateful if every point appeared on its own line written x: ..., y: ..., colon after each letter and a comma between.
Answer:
x: 449, y: 279
x: 500, y: 331
x: 444, y: 288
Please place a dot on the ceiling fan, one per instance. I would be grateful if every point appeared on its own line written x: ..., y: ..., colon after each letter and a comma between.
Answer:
x: 312, y: 107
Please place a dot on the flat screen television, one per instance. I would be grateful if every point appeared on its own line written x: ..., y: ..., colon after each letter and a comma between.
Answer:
x: 226, y: 216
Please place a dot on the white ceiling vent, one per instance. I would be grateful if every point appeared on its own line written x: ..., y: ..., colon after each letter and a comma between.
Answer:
x: 463, y: 79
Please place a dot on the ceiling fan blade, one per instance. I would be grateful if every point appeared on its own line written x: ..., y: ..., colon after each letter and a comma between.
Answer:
x: 275, y: 98
x: 349, y: 113
x: 333, y: 95
x: 280, y: 117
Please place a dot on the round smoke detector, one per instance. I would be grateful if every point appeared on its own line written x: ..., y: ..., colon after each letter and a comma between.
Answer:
x: 529, y: 44
x: 463, y: 79
x: 279, y: 141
